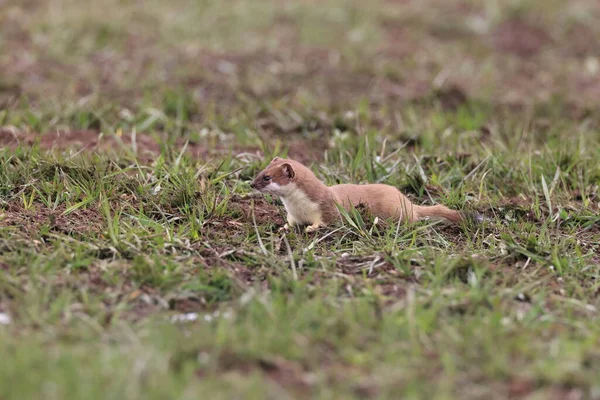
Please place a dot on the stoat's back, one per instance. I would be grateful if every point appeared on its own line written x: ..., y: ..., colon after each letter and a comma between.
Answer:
x: 383, y: 201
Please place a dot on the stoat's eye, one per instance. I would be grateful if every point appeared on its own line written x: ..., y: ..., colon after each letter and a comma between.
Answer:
x: 267, y: 178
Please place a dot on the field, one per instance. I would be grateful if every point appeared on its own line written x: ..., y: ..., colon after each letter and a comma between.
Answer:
x: 136, y: 261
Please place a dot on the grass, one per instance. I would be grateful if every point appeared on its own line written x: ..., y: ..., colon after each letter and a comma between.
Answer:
x: 135, y: 261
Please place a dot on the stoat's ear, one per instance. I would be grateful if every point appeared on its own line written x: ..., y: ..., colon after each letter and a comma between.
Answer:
x: 273, y: 160
x: 288, y: 170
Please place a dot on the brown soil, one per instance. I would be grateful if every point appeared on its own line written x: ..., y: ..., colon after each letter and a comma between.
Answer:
x: 518, y: 37
x: 583, y: 41
x: 147, y: 146
x: 264, y: 213
x: 29, y: 221
x: 307, y: 151
x: 285, y: 373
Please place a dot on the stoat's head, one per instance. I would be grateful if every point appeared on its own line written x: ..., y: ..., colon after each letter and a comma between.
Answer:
x: 276, y: 179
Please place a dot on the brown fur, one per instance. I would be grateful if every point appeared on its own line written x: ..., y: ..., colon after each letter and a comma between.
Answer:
x: 299, y: 188
x: 306, y: 181
x: 386, y: 201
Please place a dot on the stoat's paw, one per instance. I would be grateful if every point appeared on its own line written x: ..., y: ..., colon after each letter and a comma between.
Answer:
x: 312, y: 228
x: 476, y: 217
x: 285, y: 228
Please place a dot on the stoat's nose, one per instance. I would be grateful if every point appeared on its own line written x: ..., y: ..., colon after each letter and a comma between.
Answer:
x: 252, y: 185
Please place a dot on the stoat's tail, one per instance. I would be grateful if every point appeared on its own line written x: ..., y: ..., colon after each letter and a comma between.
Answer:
x: 439, y: 211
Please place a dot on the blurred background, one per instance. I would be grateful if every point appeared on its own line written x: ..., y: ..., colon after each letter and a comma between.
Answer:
x: 218, y: 57
x: 301, y: 78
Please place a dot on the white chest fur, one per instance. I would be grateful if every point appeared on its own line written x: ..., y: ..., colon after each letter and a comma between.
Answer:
x: 300, y: 209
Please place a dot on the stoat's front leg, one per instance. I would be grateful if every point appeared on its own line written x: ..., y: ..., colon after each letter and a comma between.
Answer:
x: 291, y: 222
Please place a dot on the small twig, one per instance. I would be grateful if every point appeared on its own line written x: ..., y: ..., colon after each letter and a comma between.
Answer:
x: 316, y: 241
x: 292, y: 262
x: 470, y: 174
x: 260, y: 242
x: 372, y: 264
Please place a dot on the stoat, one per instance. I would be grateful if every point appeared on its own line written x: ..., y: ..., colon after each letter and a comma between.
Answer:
x: 309, y: 201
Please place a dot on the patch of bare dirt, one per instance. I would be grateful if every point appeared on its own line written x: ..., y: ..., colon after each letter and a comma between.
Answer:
x: 187, y: 305
x: 9, y: 93
x: 559, y: 392
x: 307, y: 151
x: 373, y: 265
x: 146, y: 146
x: 288, y: 374
x: 520, y: 38
x: 264, y: 213
x: 246, y: 276
x: 387, y: 280
x: 451, y: 97
x: 285, y: 373
x: 583, y: 41
x: 141, y: 309
x: 511, y: 207
x: 9, y: 138
x: 30, y: 220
